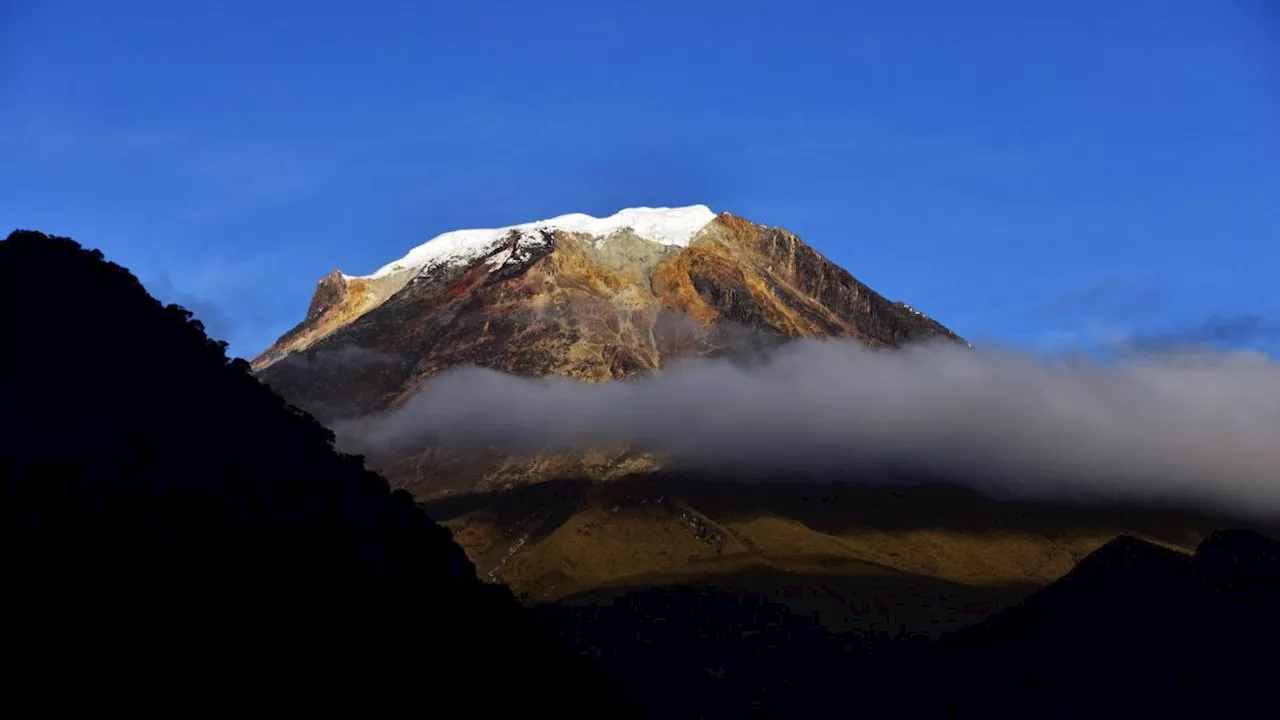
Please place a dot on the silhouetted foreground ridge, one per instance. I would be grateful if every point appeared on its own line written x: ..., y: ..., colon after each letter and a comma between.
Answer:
x: 1134, y: 631
x: 179, y: 541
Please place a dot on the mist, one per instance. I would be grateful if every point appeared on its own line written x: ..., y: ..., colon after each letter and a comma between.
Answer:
x: 1189, y: 427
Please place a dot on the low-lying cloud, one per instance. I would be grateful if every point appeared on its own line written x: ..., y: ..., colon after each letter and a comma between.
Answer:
x: 1241, y: 330
x: 217, y: 324
x: 344, y: 358
x: 1199, y: 427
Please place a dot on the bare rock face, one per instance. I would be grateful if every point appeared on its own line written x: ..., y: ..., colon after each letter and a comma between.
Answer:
x: 339, y: 299
x: 554, y: 301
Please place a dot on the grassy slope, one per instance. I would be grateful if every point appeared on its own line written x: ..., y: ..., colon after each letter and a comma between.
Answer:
x: 929, y: 557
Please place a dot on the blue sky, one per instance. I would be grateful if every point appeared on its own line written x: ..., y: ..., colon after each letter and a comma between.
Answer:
x: 1040, y: 174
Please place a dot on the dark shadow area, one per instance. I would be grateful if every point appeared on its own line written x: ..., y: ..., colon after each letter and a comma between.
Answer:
x: 895, y: 504
x: 842, y: 505
x: 857, y: 601
x: 559, y: 498
x: 1159, y: 633
x: 178, y: 541
x: 90, y: 618
x: 696, y: 652
x: 1134, y: 631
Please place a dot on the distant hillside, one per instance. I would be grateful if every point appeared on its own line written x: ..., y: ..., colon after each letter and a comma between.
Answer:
x: 179, y: 541
x: 928, y: 555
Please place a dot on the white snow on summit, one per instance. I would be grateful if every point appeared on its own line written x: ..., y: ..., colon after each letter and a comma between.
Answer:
x: 667, y: 226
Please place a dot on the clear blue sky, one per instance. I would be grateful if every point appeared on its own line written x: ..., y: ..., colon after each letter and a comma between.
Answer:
x: 1030, y: 173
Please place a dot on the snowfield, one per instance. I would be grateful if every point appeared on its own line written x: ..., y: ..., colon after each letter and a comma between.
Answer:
x: 666, y: 226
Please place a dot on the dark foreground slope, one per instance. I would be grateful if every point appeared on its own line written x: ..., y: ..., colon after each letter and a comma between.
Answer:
x: 177, y: 541
x: 1134, y: 631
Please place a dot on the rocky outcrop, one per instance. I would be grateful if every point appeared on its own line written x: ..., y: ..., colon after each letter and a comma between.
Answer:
x: 338, y: 300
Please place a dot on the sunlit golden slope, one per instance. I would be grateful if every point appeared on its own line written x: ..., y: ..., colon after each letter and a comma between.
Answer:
x: 933, y: 557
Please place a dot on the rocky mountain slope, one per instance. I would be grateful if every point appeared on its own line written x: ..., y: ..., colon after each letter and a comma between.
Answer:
x: 605, y: 299
x: 931, y: 557
x: 596, y: 299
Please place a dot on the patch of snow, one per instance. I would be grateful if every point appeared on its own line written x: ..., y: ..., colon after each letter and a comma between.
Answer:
x: 911, y: 309
x: 666, y: 226
x: 499, y: 259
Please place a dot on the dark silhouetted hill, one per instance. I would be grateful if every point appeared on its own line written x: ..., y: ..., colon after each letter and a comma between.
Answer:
x: 1134, y: 631
x: 178, y: 541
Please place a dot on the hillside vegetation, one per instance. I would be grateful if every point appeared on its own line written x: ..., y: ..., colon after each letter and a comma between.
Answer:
x: 928, y: 555
x: 179, y: 541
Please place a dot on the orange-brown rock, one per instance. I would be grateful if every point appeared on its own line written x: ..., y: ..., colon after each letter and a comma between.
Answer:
x: 574, y: 305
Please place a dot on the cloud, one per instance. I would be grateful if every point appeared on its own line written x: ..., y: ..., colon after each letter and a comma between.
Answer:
x: 1111, y: 298
x: 1229, y: 331
x: 217, y: 324
x: 1124, y: 316
x: 1195, y: 427
x: 344, y: 358
x: 232, y: 298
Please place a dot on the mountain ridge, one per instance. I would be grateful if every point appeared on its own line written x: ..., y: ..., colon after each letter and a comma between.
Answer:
x: 341, y: 299
x: 536, y: 300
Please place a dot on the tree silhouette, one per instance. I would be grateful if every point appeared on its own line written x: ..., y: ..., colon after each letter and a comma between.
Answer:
x: 180, y: 541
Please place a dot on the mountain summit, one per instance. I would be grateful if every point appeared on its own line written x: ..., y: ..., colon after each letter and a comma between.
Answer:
x: 579, y: 296
x: 595, y: 299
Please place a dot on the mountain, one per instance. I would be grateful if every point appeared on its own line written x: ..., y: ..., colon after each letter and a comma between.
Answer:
x: 605, y: 299
x: 178, y: 541
x: 596, y: 299
x: 591, y: 298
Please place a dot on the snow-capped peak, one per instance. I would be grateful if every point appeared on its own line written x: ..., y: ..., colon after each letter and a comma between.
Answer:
x: 666, y: 226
